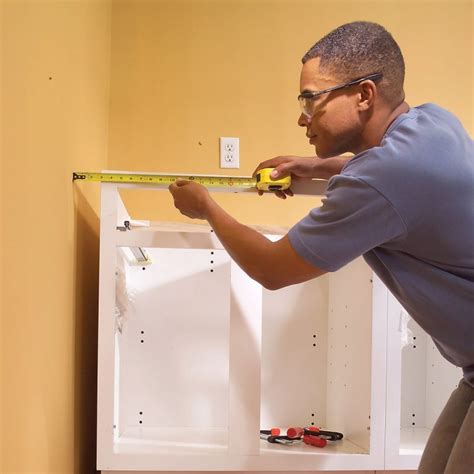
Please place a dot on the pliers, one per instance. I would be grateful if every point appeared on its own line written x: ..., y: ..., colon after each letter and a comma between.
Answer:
x: 273, y: 436
x: 312, y: 436
x: 314, y: 431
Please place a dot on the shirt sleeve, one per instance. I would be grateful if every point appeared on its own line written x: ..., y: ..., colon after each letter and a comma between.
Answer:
x: 354, y: 218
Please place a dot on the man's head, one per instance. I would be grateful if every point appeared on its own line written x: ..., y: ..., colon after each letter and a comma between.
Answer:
x: 337, y: 120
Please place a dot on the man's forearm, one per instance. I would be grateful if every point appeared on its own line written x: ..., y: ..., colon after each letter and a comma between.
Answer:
x: 325, y: 168
x: 272, y: 264
x: 247, y: 247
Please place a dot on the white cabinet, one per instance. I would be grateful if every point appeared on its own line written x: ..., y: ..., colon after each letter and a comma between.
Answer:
x: 195, y: 358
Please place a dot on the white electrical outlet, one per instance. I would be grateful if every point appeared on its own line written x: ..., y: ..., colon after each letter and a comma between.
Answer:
x: 230, y: 152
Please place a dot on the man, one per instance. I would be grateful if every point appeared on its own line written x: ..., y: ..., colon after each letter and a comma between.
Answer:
x: 405, y: 201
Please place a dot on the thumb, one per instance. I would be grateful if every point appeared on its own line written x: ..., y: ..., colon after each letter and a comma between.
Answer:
x: 281, y: 171
x: 181, y: 182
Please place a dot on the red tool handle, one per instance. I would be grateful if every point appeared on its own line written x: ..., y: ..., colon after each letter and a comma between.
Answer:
x: 272, y: 432
x: 297, y: 432
x: 314, y: 441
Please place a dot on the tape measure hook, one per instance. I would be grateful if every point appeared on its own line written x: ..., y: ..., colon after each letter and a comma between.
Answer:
x: 78, y: 176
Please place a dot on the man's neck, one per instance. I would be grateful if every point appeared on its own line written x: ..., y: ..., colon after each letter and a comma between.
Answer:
x: 378, y: 125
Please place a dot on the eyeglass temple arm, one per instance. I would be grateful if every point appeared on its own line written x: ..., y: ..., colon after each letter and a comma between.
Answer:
x: 373, y: 77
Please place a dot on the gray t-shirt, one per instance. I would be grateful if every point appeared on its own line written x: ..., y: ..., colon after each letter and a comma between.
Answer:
x: 407, y: 206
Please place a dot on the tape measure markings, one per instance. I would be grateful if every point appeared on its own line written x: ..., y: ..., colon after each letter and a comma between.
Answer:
x: 262, y: 181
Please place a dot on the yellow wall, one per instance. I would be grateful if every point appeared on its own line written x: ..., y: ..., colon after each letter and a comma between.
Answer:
x: 185, y: 73
x: 1, y: 244
x: 182, y: 73
x: 50, y: 230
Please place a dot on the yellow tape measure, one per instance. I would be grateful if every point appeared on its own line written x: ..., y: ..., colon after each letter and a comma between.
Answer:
x: 262, y: 181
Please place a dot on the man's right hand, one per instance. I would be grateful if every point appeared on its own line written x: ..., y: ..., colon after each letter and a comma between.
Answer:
x: 294, y: 166
x: 299, y: 167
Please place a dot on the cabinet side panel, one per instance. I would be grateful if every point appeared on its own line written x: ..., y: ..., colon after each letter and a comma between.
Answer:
x: 245, y: 358
x: 442, y: 378
x: 106, y: 349
x: 294, y: 355
x: 349, y: 352
x: 413, y: 390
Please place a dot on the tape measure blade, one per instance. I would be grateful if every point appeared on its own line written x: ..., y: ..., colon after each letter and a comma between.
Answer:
x: 225, y: 183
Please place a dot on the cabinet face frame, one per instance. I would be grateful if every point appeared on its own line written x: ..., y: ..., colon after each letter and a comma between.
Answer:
x: 244, y: 413
x: 422, y: 380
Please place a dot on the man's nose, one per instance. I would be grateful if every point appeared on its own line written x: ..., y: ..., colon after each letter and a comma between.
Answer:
x: 304, y: 120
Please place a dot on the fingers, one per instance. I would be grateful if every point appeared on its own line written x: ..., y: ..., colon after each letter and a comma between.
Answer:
x: 282, y: 171
x: 263, y: 164
x: 173, y: 187
x: 284, y: 194
x: 279, y: 194
x: 272, y: 163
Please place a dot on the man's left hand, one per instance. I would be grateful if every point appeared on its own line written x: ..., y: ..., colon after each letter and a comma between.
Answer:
x: 191, y: 199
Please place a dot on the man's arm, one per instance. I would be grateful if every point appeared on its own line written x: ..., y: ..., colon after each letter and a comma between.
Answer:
x: 304, y: 167
x: 273, y: 264
x: 299, y: 167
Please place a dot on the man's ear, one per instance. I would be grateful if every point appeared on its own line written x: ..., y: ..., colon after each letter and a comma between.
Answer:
x: 367, y: 95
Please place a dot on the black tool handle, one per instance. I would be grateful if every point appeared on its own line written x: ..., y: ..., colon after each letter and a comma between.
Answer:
x: 329, y: 435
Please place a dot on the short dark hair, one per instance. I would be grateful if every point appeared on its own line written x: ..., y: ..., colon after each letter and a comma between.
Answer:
x: 360, y: 48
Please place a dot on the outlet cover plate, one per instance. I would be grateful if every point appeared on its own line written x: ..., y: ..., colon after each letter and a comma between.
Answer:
x: 229, y: 152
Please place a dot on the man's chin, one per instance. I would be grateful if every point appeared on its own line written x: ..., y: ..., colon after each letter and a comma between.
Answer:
x: 322, y: 152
